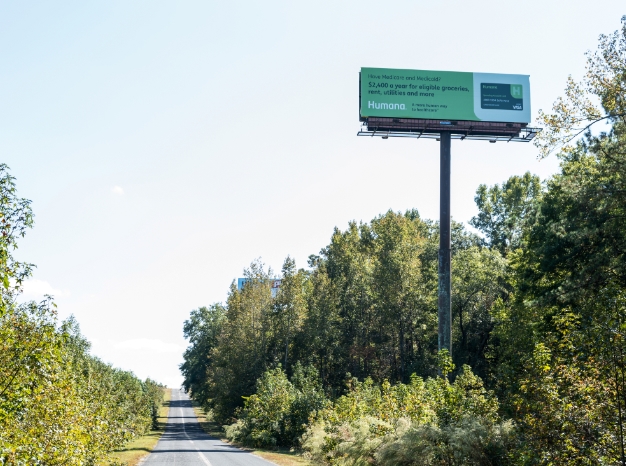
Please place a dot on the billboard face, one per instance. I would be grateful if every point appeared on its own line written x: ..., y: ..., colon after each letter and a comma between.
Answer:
x: 274, y: 285
x: 445, y: 95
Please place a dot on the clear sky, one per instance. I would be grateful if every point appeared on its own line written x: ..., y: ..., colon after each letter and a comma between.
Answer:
x: 166, y: 145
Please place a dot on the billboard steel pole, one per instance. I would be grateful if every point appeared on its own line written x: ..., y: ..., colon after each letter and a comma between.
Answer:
x: 445, y: 298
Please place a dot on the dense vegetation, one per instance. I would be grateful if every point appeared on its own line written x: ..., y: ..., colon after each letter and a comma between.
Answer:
x: 58, y: 404
x: 343, y: 361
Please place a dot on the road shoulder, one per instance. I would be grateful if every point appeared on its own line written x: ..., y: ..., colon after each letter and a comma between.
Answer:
x: 138, y: 449
x: 281, y: 457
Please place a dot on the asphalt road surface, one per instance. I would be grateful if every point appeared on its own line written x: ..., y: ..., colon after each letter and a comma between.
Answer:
x: 185, y: 443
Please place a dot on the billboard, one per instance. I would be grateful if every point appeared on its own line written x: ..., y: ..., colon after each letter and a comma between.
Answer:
x: 274, y: 284
x: 444, y: 95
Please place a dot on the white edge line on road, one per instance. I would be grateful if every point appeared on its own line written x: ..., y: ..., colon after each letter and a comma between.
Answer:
x: 202, y: 457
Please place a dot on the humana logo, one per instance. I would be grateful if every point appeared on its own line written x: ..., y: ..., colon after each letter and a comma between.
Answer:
x: 381, y: 105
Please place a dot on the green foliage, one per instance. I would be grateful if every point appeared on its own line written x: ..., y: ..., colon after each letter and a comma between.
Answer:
x: 202, y: 330
x: 469, y: 442
x: 444, y: 362
x: 242, y: 352
x: 502, y: 210
x: 368, y: 306
x: 599, y: 96
x: 481, y: 283
x: 15, y: 218
x: 562, y: 337
x: 58, y: 404
x: 423, y: 422
x: 277, y: 414
x: 155, y: 394
x: 289, y: 311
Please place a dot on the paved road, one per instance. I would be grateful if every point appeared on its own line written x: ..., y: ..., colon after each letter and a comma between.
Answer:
x: 185, y: 443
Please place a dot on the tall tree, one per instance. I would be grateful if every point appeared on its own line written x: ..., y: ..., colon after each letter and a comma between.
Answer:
x: 601, y: 95
x: 16, y: 217
x: 289, y: 308
x: 480, y: 285
x: 398, y: 288
x: 242, y: 354
x: 202, y: 330
x: 502, y: 210
x: 564, y: 337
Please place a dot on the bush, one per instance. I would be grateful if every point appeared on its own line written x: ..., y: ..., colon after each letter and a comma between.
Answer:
x: 428, y: 422
x: 278, y: 413
x: 470, y: 441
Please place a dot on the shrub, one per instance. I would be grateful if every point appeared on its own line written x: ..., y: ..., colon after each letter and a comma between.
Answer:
x: 277, y: 414
x: 424, y: 422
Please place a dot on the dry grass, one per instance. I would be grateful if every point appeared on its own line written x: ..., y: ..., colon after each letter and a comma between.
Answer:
x: 286, y: 458
x: 280, y: 456
x: 136, y: 450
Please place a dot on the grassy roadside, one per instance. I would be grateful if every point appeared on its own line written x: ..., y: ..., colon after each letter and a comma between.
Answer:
x: 132, y: 453
x: 280, y: 456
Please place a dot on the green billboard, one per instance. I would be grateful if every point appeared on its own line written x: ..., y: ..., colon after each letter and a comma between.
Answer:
x: 444, y: 95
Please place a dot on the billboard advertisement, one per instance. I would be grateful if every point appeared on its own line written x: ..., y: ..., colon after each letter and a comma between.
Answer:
x: 274, y: 285
x: 444, y: 95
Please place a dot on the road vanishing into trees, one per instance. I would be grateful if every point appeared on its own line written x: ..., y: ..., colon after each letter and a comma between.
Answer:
x: 184, y: 442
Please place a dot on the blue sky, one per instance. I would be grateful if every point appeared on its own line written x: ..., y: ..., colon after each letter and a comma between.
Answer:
x: 165, y: 145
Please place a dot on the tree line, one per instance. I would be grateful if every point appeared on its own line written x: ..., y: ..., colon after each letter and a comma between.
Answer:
x: 343, y: 362
x: 59, y: 405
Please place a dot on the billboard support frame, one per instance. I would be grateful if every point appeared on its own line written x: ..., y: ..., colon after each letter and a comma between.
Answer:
x: 525, y: 134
